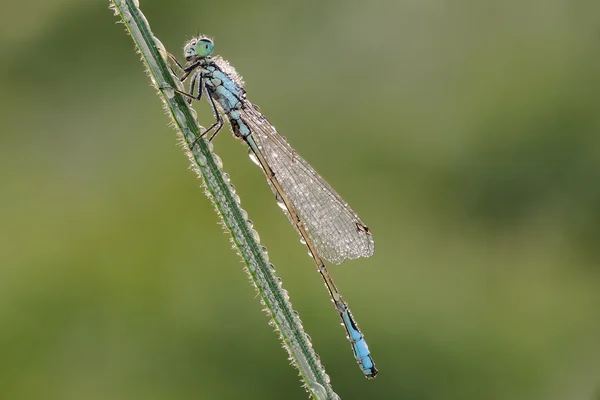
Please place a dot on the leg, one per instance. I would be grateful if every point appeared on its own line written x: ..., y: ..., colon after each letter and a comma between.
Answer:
x: 190, y: 96
x: 181, y: 67
x: 219, y: 118
x: 172, y: 57
x: 217, y: 125
x: 186, y: 70
x: 192, y: 86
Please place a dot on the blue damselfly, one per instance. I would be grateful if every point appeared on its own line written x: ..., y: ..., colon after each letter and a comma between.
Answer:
x: 330, y: 229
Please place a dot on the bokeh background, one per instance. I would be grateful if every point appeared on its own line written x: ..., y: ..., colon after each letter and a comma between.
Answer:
x: 465, y: 134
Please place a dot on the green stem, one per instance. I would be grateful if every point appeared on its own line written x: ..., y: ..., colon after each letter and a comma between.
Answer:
x: 222, y: 193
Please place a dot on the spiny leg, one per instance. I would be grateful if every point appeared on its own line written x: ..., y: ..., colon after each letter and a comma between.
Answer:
x: 217, y: 125
x: 172, y: 57
x: 186, y: 70
x: 192, y: 86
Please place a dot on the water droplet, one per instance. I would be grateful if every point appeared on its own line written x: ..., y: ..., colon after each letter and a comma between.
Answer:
x: 161, y: 48
x: 265, y: 253
x: 192, y: 111
x: 200, y: 158
x: 280, y: 202
x: 218, y: 161
x: 255, y: 236
x: 272, y: 267
x: 142, y: 16
x: 181, y: 119
x: 250, y: 223
x: 253, y: 157
x: 318, y: 390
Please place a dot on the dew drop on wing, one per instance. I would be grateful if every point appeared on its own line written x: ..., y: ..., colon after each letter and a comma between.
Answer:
x: 280, y: 202
x: 253, y: 157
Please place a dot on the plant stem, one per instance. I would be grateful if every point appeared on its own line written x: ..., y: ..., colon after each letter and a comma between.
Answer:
x: 227, y: 203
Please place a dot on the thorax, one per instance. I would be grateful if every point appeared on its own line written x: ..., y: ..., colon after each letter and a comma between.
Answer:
x: 221, y: 80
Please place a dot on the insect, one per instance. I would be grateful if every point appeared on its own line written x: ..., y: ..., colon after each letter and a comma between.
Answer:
x: 330, y: 229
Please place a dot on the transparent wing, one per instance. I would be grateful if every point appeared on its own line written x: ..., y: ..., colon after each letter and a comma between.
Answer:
x: 336, y: 230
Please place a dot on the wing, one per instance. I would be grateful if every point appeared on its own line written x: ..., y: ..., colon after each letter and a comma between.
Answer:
x: 336, y: 230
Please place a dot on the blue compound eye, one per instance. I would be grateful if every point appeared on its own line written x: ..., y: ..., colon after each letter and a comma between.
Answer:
x: 204, y: 47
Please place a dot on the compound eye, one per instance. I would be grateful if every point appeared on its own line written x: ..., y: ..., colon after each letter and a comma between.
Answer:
x: 204, y: 47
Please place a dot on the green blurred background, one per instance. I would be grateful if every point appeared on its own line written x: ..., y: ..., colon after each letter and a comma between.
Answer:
x: 464, y: 133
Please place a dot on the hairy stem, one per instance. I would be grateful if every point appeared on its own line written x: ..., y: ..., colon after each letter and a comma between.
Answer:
x: 227, y: 203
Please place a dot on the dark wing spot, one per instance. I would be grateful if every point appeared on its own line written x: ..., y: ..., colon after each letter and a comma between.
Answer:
x: 363, y: 228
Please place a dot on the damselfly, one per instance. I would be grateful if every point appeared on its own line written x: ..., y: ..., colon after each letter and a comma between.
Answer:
x: 325, y: 222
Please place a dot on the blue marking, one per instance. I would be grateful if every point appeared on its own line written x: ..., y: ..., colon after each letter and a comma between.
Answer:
x: 359, y: 346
